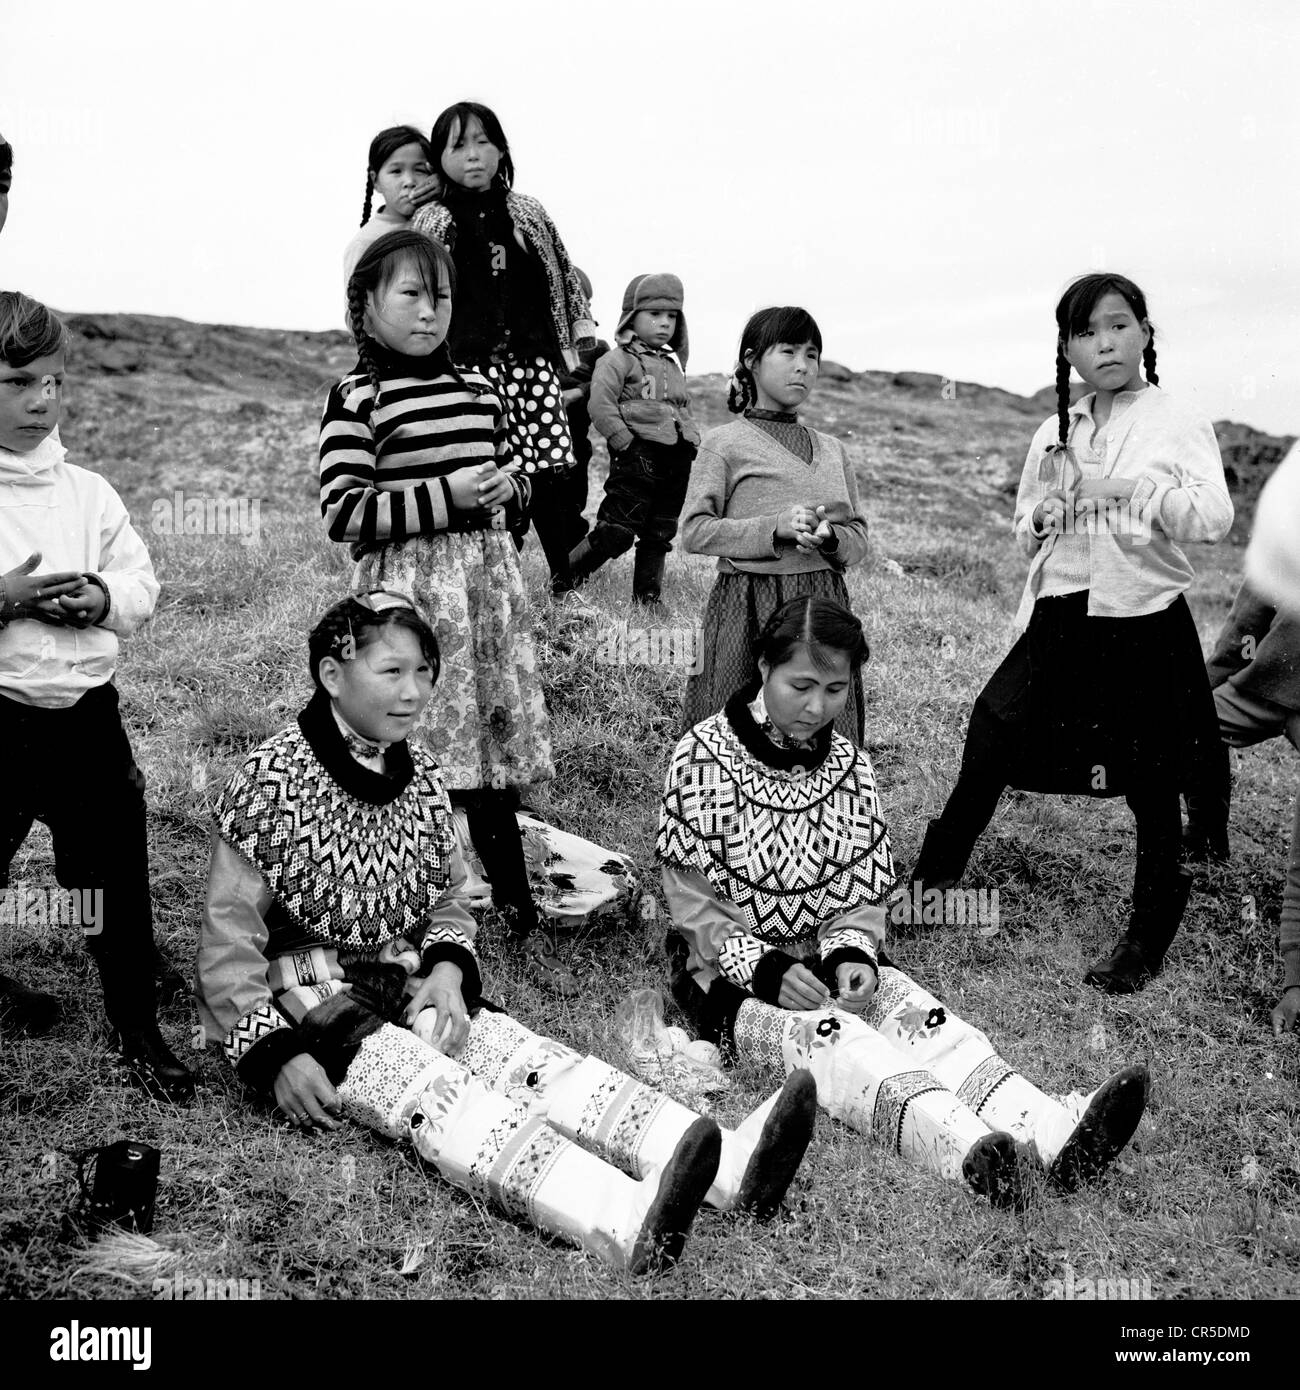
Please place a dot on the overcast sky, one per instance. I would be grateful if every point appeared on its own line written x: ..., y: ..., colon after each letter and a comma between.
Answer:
x: 925, y: 178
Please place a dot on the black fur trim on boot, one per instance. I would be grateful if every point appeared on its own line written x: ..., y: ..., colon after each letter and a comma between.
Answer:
x: 1109, y: 1122
x: 1000, y: 1169
x: 683, y: 1185
x: 780, y: 1148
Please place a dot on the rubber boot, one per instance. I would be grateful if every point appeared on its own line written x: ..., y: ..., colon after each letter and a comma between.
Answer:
x: 584, y: 561
x: 648, y: 577
x: 1140, y: 953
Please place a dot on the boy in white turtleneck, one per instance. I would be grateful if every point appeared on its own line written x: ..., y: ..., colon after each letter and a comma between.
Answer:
x: 73, y: 575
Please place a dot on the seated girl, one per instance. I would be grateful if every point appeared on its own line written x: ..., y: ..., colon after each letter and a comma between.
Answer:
x: 777, y: 869
x: 337, y: 968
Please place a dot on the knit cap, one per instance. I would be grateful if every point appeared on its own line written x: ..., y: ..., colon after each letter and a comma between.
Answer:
x: 654, y: 292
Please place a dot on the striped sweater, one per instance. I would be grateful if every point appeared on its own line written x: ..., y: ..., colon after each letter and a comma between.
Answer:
x: 383, y: 471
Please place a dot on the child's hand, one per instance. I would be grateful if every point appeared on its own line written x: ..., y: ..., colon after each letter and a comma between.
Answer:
x: 574, y: 393
x: 426, y: 191
x: 1285, y: 1012
x: 801, y: 989
x: 1049, y: 514
x: 818, y: 536
x: 856, y: 984
x: 494, y: 488
x: 794, y: 523
x: 83, y: 606
x: 29, y: 595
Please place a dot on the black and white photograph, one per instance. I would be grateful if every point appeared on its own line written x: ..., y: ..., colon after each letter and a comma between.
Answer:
x: 650, y: 654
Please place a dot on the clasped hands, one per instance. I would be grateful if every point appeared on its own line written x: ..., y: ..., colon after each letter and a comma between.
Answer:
x: 1063, y: 504
x: 62, y: 598
x: 807, y: 527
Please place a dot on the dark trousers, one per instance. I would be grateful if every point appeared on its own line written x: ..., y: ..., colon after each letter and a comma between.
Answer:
x: 644, y: 496
x: 982, y: 780
x: 73, y: 769
x: 494, y: 833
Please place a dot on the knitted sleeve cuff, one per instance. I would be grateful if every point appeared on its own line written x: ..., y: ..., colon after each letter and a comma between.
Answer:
x: 471, y: 982
x: 765, y: 983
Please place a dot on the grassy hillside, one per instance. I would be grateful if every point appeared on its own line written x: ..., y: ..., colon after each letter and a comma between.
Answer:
x: 1203, y: 1204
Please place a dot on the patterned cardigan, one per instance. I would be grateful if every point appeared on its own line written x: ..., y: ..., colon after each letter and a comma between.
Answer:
x: 570, y: 311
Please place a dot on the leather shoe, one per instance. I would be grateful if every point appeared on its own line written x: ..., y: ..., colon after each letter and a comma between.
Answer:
x: 154, y: 1066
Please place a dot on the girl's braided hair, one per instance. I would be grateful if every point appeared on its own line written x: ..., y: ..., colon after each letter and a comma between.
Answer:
x: 1072, y: 315
x: 384, y: 145
x: 765, y: 329
x: 819, y: 624
x: 349, y: 627
x: 380, y: 262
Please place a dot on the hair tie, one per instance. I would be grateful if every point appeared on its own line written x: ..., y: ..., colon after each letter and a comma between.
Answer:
x: 1059, y: 465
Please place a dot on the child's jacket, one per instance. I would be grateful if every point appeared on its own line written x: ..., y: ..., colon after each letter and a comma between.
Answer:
x: 640, y: 392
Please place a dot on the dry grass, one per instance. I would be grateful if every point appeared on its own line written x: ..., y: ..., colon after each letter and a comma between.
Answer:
x: 1203, y: 1204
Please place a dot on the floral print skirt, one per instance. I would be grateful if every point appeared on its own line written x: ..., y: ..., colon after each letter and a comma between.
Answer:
x: 486, y: 724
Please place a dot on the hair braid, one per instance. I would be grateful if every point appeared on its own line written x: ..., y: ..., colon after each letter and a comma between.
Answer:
x: 370, y: 189
x: 357, y: 319
x: 1062, y: 395
x: 1149, y: 360
x: 740, y: 389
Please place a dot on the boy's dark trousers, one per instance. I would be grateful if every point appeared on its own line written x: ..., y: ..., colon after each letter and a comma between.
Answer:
x: 644, y: 496
x: 73, y: 769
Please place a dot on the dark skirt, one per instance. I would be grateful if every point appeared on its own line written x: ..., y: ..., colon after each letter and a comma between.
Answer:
x: 738, y: 607
x: 1098, y: 706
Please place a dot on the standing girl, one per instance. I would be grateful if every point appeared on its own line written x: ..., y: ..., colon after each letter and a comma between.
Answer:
x: 522, y: 314
x: 1105, y: 693
x: 777, y: 502
x: 400, y: 169
x: 416, y: 475
x: 777, y: 870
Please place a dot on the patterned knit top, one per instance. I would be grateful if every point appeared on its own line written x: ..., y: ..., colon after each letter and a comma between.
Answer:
x: 383, y: 470
x: 784, y: 427
x: 356, y: 861
x: 791, y: 836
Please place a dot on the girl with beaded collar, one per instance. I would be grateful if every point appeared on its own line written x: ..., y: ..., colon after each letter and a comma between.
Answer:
x: 338, y: 970
x: 777, y: 870
x: 1105, y: 693
x: 525, y: 314
x: 418, y: 477
x: 777, y: 502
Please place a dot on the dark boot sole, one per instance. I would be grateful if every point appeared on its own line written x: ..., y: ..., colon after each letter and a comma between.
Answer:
x: 1109, y: 1122
x: 995, y: 1169
x: 780, y: 1148
x: 682, y: 1187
